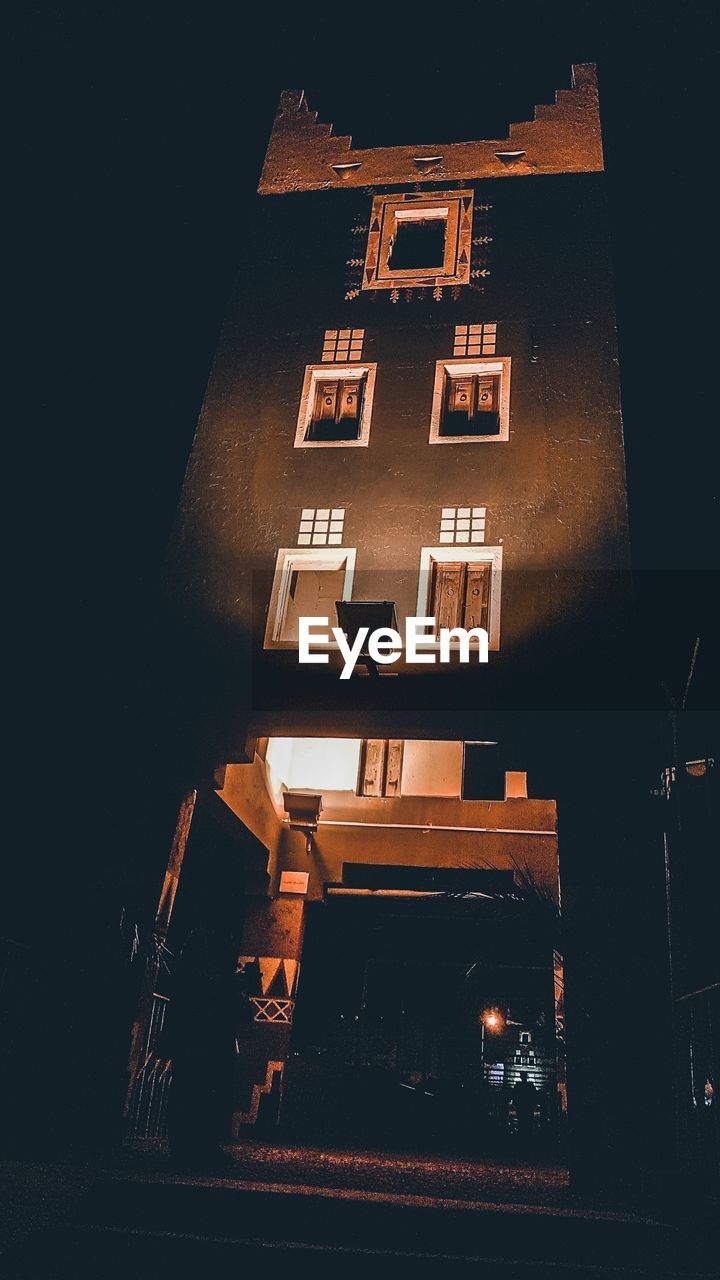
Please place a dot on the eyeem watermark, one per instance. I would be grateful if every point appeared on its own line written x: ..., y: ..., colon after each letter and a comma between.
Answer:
x: 385, y: 645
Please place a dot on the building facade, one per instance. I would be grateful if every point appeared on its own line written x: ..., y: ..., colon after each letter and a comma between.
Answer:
x: 414, y: 411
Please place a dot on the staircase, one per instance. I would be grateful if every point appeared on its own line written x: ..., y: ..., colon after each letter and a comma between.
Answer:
x: 260, y: 1089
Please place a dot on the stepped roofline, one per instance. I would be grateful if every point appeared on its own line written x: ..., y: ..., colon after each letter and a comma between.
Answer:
x: 563, y: 137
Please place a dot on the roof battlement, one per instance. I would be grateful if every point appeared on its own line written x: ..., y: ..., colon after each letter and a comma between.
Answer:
x: 563, y: 137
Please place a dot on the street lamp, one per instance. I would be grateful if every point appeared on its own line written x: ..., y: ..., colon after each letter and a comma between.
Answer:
x: 490, y: 1020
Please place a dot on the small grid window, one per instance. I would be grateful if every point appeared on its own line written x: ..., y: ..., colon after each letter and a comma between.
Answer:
x: 321, y: 527
x: 475, y: 339
x: 462, y: 524
x: 343, y: 344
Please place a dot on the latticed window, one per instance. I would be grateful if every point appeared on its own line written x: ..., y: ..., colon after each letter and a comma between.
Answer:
x: 321, y: 526
x: 342, y: 344
x: 475, y: 339
x: 462, y: 524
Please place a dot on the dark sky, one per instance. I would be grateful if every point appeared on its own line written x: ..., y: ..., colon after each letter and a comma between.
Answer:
x: 141, y: 133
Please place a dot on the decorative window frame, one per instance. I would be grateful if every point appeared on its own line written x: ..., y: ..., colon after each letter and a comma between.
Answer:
x: 469, y: 555
x: 457, y: 207
x: 315, y: 373
x: 290, y: 559
x: 469, y: 367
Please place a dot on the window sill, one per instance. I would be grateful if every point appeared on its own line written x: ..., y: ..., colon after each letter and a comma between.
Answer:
x: 332, y: 444
x: 501, y: 437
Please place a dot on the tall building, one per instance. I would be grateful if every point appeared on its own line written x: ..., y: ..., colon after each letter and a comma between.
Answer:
x: 414, y: 411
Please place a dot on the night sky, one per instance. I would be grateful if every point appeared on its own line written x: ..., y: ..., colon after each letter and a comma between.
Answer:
x: 142, y: 133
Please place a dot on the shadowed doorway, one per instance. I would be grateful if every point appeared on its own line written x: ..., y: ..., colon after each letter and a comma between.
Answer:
x: 415, y: 1016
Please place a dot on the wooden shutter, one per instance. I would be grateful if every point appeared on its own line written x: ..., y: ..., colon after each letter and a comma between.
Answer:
x: 477, y: 596
x: 372, y: 767
x: 448, y: 593
x: 326, y: 402
x: 381, y: 767
x: 349, y: 400
x: 394, y: 767
x: 460, y: 396
x: 488, y: 393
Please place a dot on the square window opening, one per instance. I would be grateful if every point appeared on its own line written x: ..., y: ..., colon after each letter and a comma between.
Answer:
x: 483, y: 776
x: 461, y: 588
x: 471, y: 405
x: 312, y: 592
x: 414, y: 240
x: 307, y: 583
x: 337, y: 407
x: 471, y: 401
x: 418, y: 243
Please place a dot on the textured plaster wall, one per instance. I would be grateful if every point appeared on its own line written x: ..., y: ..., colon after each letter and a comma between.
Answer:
x: 554, y: 493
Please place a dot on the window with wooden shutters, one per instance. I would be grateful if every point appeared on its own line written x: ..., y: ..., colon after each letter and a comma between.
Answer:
x: 335, y: 406
x: 461, y: 587
x: 380, y: 767
x: 471, y: 405
x: 460, y: 594
x: 471, y: 401
x: 337, y: 409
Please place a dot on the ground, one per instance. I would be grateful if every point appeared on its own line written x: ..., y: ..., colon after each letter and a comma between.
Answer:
x: 296, y: 1203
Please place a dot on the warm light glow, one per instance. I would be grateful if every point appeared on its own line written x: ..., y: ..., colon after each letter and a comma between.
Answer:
x: 492, y: 1020
x: 313, y: 764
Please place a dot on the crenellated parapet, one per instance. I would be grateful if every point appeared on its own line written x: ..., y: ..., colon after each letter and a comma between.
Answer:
x: 303, y: 154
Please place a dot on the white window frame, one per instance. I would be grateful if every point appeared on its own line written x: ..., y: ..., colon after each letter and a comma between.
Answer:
x: 470, y: 366
x: 288, y: 560
x: 315, y: 373
x: 468, y: 555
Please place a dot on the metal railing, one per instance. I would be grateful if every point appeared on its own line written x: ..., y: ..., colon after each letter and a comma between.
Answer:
x: 147, y: 1112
